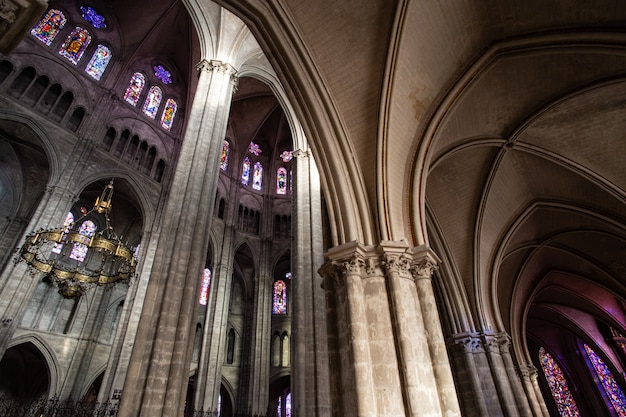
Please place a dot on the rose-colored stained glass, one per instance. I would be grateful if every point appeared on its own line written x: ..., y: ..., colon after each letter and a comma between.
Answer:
x: 558, y: 385
x: 206, y: 284
x: 279, y: 298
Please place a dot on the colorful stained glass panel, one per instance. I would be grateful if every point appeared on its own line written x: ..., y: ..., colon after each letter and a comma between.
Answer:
x: 279, y: 300
x: 206, y: 283
x: 245, y: 172
x: 92, y: 16
x: 134, y: 89
x: 281, y: 181
x: 286, y: 156
x: 558, y: 385
x: 167, y: 118
x: 79, y: 250
x: 98, y: 62
x: 257, y: 176
x: 152, y: 102
x: 225, y: 157
x: 254, y: 149
x: 74, y: 46
x: 48, y: 27
x: 609, y: 384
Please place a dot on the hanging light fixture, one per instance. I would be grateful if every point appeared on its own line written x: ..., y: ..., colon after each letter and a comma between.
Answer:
x: 75, y: 259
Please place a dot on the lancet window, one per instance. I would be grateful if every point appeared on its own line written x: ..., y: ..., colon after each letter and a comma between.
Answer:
x: 225, y: 157
x: 609, y: 385
x: 279, y: 300
x: 558, y: 385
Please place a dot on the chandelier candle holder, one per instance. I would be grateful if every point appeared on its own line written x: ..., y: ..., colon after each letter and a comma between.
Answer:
x: 104, y: 259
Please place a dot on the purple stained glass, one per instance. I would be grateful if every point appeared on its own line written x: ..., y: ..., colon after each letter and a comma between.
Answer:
x: 49, y: 26
x: 279, y: 299
x: 281, y: 181
x: 74, y: 46
x: 257, y: 176
x: 225, y: 157
x: 609, y: 384
x: 98, y: 62
x: 254, y: 149
x: 79, y: 250
x: 288, y: 405
x: 152, y: 102
x: 245, y: 172
x: 162, y: 74
x: 286, y: 156
x: 206, y: 283
x: 167, y: 118
x: 134, y: 89
x: 92, y: 16
x: 558, y: 385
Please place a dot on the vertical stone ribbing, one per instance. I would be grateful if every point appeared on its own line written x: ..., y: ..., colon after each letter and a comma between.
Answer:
x: 310, y: 372
x: 521, y: 400
x: 531, y: 387
x: 159, y: 367
x: 416, y: 371
x: 424, y: 264
x: 501, y: 379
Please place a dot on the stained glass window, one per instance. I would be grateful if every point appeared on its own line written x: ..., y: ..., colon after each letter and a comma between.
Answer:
x: 279, y: 408
x: 79, y: 250
x: 245, y: 172
x: 286, y: 156
x: 254, y: 149
x: 69, y: 219
x: 281, y: 181
x: 48, y: 27
x: 93, y: 17
x: 153, y: 101
x: 74, y: 46
x: 162, y: 74
x: 279, y: 300
x: 224, y: 158
x: 99, y: 62
x: 558, y: 385
x: 288, y: 405
x: 134, y: 89
x: 606, y: 379
x: 257, y: 176
x: 167, y: 118
x: 206, y: 283
x: 136, y: 252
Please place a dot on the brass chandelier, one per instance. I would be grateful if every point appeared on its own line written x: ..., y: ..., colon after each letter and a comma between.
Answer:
x: 107, y: 260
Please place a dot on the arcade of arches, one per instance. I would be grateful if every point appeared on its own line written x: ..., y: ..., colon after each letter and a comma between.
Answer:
x: 399, y: 209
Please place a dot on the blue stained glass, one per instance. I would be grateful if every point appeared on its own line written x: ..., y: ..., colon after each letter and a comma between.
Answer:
x: 93, y: 17
x: 245, y: 173
x: 162, y: 74
x: 48, y: 27
x: 98, y: 62
x: 610, y: 386
x: 558, y: 385
x: 75, y: 45
x: 153, y: 101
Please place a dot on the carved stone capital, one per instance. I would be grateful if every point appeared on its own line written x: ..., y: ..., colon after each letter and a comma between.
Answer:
x: 397, y: 263
x: 466, y: 343
x: 424, y: 263
x: 215, y: 65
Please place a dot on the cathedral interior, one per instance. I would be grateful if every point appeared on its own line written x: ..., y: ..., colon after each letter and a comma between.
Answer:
x: 316, y: 208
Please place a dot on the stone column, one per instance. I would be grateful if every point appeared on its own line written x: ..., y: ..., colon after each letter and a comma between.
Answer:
x: 309, y: 344
x: 424, y: 264
x: 501, y: 379
x: 212, y: 351
x: 531, y: 387
x: 158, y: 371
x: 467, y: 345
x: 416, y: 370
x: 345, y: 270
x: 521, y: 399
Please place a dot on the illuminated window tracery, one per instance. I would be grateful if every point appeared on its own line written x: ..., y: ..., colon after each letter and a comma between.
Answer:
x: 558, y: 385
x: 607, y: 381
x: 279, y: 300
